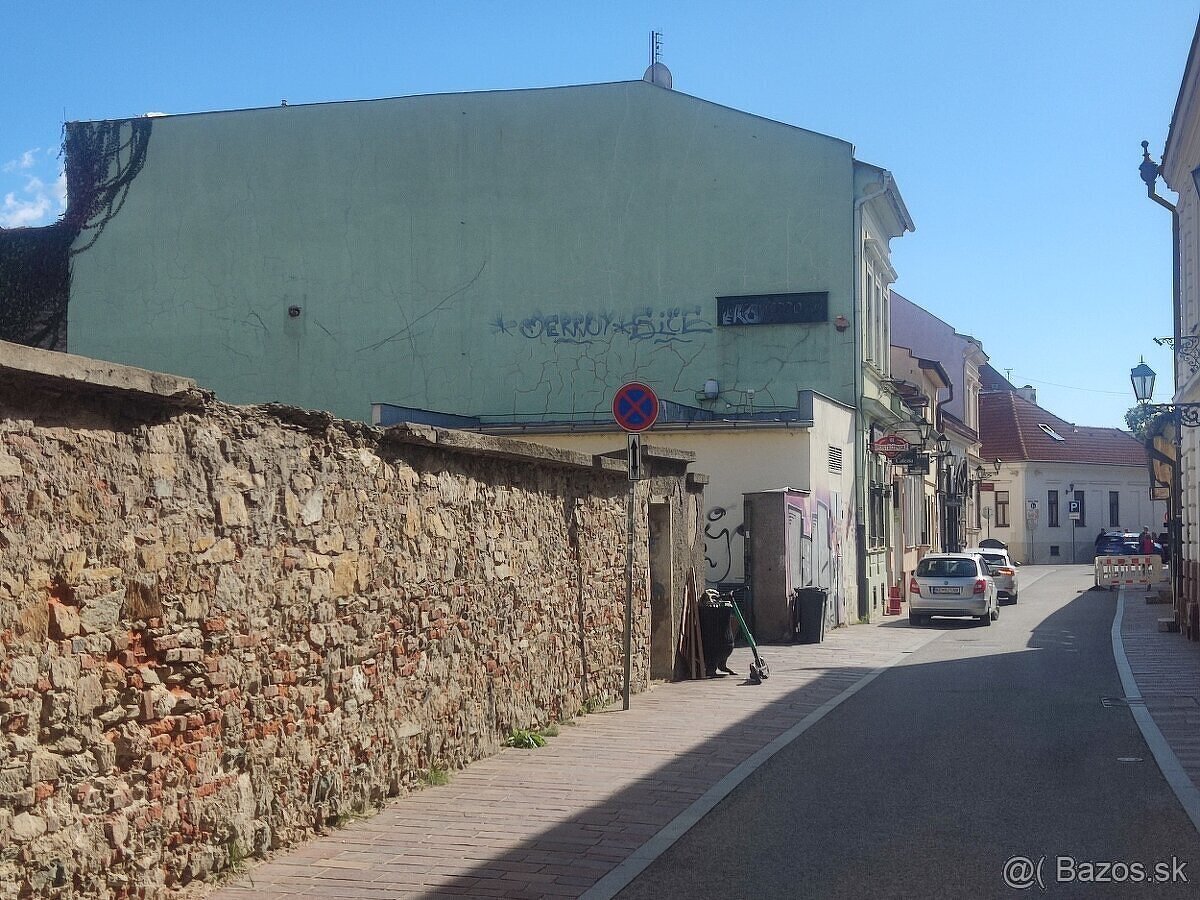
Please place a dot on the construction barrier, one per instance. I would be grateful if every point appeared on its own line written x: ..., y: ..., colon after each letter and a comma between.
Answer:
x: 1114, y: 572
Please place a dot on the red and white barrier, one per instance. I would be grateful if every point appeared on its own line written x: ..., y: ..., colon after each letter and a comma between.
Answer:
x: 1114, y: 572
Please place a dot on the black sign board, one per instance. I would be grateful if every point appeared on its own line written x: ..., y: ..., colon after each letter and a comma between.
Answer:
x: 774, y: 309
x: 914, y: 462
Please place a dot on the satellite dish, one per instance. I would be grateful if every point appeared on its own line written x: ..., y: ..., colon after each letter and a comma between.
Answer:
x: 658, y: 74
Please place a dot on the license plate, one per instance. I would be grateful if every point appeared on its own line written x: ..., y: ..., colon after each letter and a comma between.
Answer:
x: 943, y: 590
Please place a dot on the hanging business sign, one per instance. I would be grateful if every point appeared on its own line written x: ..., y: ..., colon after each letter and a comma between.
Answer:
x: 914, y: 462
x: 890, y: 445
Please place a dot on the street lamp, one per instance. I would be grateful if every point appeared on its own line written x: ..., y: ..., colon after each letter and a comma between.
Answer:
x: 1183, y: 414
x: 924, y: 429
x: 1142, y: 378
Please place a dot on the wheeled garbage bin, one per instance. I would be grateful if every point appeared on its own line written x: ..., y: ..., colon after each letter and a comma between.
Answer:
x: 716, y: 634
x: 808, y: 614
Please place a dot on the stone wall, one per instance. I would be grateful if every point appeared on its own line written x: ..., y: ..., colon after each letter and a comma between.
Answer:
x: 223, y: 628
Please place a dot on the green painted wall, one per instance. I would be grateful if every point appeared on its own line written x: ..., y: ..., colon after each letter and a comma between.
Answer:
x: 447, y: 250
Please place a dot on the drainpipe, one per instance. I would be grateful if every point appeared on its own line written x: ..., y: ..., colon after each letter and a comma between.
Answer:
x: 945, y: 483
x: 1150, y: 171
x: 860, y: 425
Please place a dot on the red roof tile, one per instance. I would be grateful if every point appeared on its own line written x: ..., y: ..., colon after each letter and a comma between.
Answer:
x: 1009, y: 429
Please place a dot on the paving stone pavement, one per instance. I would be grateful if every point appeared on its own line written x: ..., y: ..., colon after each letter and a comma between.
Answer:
x: 551, y: 822
x: 1166, y: 666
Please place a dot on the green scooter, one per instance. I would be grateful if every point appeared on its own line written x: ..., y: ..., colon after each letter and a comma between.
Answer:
x: 759, y: 670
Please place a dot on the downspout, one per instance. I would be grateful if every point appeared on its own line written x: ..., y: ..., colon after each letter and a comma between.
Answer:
x: 860, y: 440
x: 945, y: 483
x: 1150, y: 171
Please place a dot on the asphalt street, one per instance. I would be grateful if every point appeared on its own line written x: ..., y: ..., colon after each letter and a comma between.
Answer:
x: 989, y: 747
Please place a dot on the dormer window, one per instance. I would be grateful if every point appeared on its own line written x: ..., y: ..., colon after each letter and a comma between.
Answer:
x: 1054, y: 435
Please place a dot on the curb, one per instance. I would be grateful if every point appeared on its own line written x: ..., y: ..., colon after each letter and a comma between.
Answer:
x: 1168, y: 763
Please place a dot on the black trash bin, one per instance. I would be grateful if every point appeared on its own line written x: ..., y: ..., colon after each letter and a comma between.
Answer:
x: 716, y: 634
x: 808, y: 614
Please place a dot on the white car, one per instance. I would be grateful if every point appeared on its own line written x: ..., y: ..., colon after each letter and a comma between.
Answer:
x: 952, y: 584
x: 1003, y: 570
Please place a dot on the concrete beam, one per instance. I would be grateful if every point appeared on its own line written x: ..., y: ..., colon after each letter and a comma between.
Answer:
x: 19, y: 361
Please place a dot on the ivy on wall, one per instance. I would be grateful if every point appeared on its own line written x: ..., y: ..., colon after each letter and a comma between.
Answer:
x: 34, y: 285
x: 101, y: 159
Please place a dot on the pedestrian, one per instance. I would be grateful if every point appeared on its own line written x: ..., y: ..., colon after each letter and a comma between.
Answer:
x: 1146, y: 542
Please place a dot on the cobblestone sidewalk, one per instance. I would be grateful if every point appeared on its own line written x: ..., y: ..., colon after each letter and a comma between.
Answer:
x: 552, y: 822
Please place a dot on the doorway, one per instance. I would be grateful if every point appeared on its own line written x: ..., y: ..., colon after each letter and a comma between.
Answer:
x: 662, y: 592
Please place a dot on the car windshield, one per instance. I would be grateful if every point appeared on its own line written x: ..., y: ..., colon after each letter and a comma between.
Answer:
x: 947, y: 568
x: 994, y: 559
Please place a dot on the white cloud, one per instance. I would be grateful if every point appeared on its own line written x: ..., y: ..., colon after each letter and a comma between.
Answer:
x: 36, y: 205
x: 25, y: 162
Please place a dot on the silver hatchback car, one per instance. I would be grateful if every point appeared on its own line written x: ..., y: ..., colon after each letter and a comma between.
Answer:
x: 952, y: 584
x: 1003, y: 571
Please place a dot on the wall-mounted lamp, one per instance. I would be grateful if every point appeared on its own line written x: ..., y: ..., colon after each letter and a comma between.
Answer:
x: 996, y: 464
x: 841, y: 323
x: 980, y: 474
x: 1142, y: 378
x: 712, y: 389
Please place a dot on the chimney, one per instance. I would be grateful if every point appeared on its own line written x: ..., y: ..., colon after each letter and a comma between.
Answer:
x: 1027, y: 393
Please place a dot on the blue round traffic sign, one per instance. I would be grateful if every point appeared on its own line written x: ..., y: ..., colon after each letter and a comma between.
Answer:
x: 635, y: 406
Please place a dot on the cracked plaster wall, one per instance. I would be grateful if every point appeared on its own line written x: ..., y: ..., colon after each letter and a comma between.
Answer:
x: 500, y: 253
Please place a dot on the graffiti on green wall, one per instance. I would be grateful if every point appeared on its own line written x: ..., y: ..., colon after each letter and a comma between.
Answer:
x: 674, y: 324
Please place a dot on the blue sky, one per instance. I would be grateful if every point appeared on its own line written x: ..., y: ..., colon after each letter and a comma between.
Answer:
x: 1012, y: 126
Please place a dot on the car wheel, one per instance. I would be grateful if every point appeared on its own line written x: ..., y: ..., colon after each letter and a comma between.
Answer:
x: 1012, y: 598
x: 985, y: 619
x: 914, y: 619
x: 996, y: 612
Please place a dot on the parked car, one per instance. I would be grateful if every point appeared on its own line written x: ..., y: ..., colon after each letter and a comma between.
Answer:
x: 1124, y: 543
x: 1002, y: 569
x: 952, y: 584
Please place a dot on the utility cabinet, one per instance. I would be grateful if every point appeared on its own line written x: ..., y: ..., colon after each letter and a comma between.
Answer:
x: 787, y: 549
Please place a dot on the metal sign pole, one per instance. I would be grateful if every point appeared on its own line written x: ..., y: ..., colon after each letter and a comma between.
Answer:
x: 633, y: 449
x: 635, y: 408
x: 628, y: 598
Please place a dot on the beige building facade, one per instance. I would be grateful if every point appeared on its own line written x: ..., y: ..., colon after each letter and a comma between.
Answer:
x: 1180, y: 167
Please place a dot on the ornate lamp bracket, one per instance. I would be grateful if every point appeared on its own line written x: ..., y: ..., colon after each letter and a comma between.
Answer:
x: 1187, y: 414
x: 1188, y: 348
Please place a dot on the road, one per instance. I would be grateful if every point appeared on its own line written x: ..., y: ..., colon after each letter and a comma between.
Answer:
x: 989, y: 743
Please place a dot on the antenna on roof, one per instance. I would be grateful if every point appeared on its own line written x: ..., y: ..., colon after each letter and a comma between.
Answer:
x: 1008, y: 374
x: 656, y: 72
